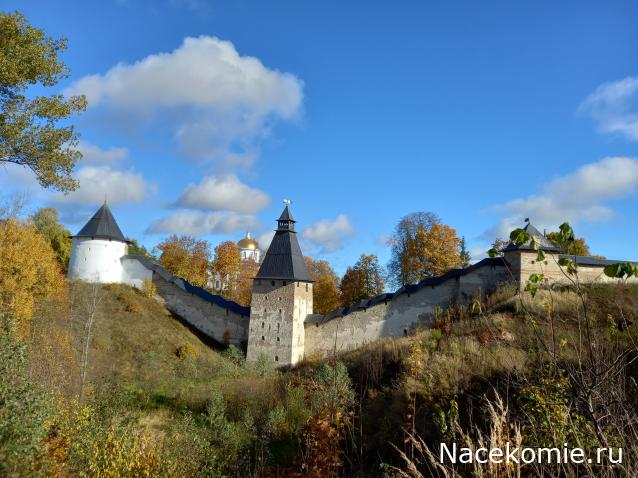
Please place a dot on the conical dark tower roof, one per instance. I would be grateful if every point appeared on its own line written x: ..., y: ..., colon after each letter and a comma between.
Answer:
x: 102, y: 226
x: 543, y: 243
x: 283, y: 259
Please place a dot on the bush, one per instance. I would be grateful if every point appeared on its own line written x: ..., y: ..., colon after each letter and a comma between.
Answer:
x: 235, y: 355
x: 186, y: 351
x: 134, y: 308
x: 23, y: 411
x: 148, y: 288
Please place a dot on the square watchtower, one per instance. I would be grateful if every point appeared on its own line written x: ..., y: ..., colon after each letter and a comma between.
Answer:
x: 281, y: 299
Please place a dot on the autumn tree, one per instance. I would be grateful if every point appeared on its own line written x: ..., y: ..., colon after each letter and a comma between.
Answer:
x: 227, y: 263
x: 422, y: 246
x: 30, y: 135
x: 576, y: 247
x: 499, y: 244
x: 464, y: 254
x: 46, y: 222
x: 186, y: 257
x: 362, y: 281
x: 325, y: 291
x: 244, y: 282
x: 29, y: 271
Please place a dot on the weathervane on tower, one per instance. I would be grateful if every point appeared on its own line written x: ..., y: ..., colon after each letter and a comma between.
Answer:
x: 287, y: 202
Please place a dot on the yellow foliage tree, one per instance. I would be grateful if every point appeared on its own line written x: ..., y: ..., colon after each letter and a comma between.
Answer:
x: 29, y: 270
x: 422, y: 246
x: 244, y: 286
x: 361, y: 282
x: 325, y: 292
x: 186, y: 257
x: 227, y: 263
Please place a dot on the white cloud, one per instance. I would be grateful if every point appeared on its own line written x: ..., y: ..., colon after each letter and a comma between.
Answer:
x: 614, y: 106
x: 218, y: 103
x: 95, y: 155
x: 198, y: 223
x: 328, y: 235
x: 98, y: 183
x: 581, y: 195
x: 14, y: 176
x: 227, y: 193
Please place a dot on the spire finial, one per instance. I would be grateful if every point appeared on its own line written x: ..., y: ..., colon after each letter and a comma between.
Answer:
x: 527, y: 219
x: 287, y: 202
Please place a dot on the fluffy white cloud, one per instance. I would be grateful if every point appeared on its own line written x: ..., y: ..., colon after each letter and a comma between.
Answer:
x: 198, y: 223
x: 225, y: 193
x: 328, y: 235
x: 218, y: 103
x: 96, y: 155
x: 614, y: 106
x: 581, y: 195
x: 98, y: 183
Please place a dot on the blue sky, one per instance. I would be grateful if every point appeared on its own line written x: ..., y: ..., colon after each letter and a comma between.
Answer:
x: 204, y: 116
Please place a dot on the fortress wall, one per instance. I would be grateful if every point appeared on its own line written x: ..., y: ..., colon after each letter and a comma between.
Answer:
x: 217, y: 322
x: 525, y: 264
x: 399, y: 316
x: 134, y: 273
x: 480, y: 281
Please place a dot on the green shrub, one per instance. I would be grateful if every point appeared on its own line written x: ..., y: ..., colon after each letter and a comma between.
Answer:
x: 23, y: 411
x: 235, y: 355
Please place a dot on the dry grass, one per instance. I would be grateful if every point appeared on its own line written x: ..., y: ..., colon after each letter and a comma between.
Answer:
x: 135, y: 342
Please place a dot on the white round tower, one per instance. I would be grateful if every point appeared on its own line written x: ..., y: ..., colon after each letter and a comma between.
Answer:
x: 97, y: 250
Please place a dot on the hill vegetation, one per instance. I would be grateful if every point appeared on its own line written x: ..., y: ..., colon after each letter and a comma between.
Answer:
x: 108, y: 383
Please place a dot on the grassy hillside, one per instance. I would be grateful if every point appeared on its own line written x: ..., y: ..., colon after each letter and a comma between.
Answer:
x: 137, y: 343
x: 158, y: 401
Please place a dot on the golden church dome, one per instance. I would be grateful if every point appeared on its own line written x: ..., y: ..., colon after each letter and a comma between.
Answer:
x: 248, y: 243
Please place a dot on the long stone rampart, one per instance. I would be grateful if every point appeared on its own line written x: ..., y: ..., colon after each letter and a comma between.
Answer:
x: 222, y: 320
x: 398, y: 314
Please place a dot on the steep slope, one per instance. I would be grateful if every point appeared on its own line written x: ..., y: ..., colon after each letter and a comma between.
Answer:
x: 135, y: 341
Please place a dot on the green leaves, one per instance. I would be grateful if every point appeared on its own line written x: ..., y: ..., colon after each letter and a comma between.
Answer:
x: 568, y: 264
x: 621, y: 270
x: 536, y: 278
x: 29, y: 131
x: 519, y: 236
x: 566, y: 233
x: 533, y: 283
x: 493, y: 252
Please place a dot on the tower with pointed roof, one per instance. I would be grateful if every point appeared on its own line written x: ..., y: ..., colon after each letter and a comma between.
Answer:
x: 97, y: 249
x: 281, y: 298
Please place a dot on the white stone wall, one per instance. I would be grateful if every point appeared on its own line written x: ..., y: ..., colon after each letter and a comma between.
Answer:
x: 223, y: 325
x: 96, y: 260
x: 396, y: 317
x: 134, y: 273
x: 523, y: 264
